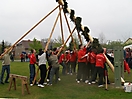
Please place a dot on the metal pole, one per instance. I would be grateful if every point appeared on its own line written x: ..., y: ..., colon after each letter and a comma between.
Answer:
x: 117, y: 62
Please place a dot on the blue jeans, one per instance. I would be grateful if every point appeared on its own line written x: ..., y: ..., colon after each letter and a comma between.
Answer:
x: 7, y: 69
x: 32, y: 72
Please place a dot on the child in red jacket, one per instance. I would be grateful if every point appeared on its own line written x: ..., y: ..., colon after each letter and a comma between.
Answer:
x: 126, y: 67
x: 100, y: 61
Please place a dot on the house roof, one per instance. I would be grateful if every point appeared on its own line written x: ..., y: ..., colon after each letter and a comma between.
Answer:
x: 127, y: 41
x: 26, y: 43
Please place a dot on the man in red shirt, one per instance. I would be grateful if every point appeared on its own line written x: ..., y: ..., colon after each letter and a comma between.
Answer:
x: 32, y: 66
x: 92, y: 60
x: 22, y: 57
x: 73, y: 59
x: 81, y: 63
x: 68, y: 62
x: 62, y: 61
x: 100, y: 61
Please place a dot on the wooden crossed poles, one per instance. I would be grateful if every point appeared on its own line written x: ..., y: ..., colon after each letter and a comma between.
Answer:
x: 64, y: 43
x: 61, y: 2
x: 28, y: 31
x: 10, y: 48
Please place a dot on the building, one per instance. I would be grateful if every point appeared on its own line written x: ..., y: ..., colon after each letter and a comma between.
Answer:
x: 128, y: 41
x: 24, y: 47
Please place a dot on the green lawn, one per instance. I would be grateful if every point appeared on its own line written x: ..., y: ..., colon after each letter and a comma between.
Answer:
x: 67, y: 88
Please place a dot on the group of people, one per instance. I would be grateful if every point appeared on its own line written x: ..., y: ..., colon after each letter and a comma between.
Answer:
x: 90, y: 64
x: 44, y: 57
x: 24, y: 57
x: 128, y: 56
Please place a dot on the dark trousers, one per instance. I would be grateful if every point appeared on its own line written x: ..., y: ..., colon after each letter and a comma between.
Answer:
x: 106, y: 70
x: 81, y: 71
x: 73, y: 67
x: 63, y: 64
x: 43, y: 71
x: 32, y: 72
x: 68, y: 67
x: 100, y: 73
x: 88, y: 71
x: 93, y: 72
x: 7, y: 69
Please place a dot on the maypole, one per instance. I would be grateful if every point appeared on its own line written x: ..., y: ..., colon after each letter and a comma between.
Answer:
x: 85, y: 30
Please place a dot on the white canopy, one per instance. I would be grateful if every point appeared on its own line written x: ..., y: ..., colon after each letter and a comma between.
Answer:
x: 128, y: 46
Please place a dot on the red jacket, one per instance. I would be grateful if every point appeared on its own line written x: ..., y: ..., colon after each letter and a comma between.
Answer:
x: 92, y: 57
x: 73, y: 57
x: 62, y: 58
x: 21, y: 56
x: 67, y: 57
x: 32, y: 59
x: 126, y: 67
x: 81, y: 53
x: 100, y: 60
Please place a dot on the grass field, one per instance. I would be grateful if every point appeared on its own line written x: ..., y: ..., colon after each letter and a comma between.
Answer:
x: 67, y: 88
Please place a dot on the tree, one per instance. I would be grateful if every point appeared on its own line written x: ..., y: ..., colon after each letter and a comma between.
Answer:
x: 36, y: 45
x: 76, y: 42
x: 102, y: 38
x: 2, y: 46
x: 112, y: 44
x: 57, y: 42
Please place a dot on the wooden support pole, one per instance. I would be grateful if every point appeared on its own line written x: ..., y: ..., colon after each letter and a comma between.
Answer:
x: 106, y: 85
x: 79, y: 36
x: 61, y: 2
x: 27, y: 88
x: 28, y: 31
x: 46, y: 47
x: 70, y: 31
x: 112, y: 67
x: 66, y: 41
x: 12, y: 80
x: 22, y: 87
x: 62, y: 34
x: 35, y: 76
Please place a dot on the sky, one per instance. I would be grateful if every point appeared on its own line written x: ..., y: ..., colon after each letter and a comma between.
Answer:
x: 110, y: 18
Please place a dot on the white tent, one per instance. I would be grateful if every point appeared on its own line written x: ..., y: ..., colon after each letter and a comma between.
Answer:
x: 128, y: 46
